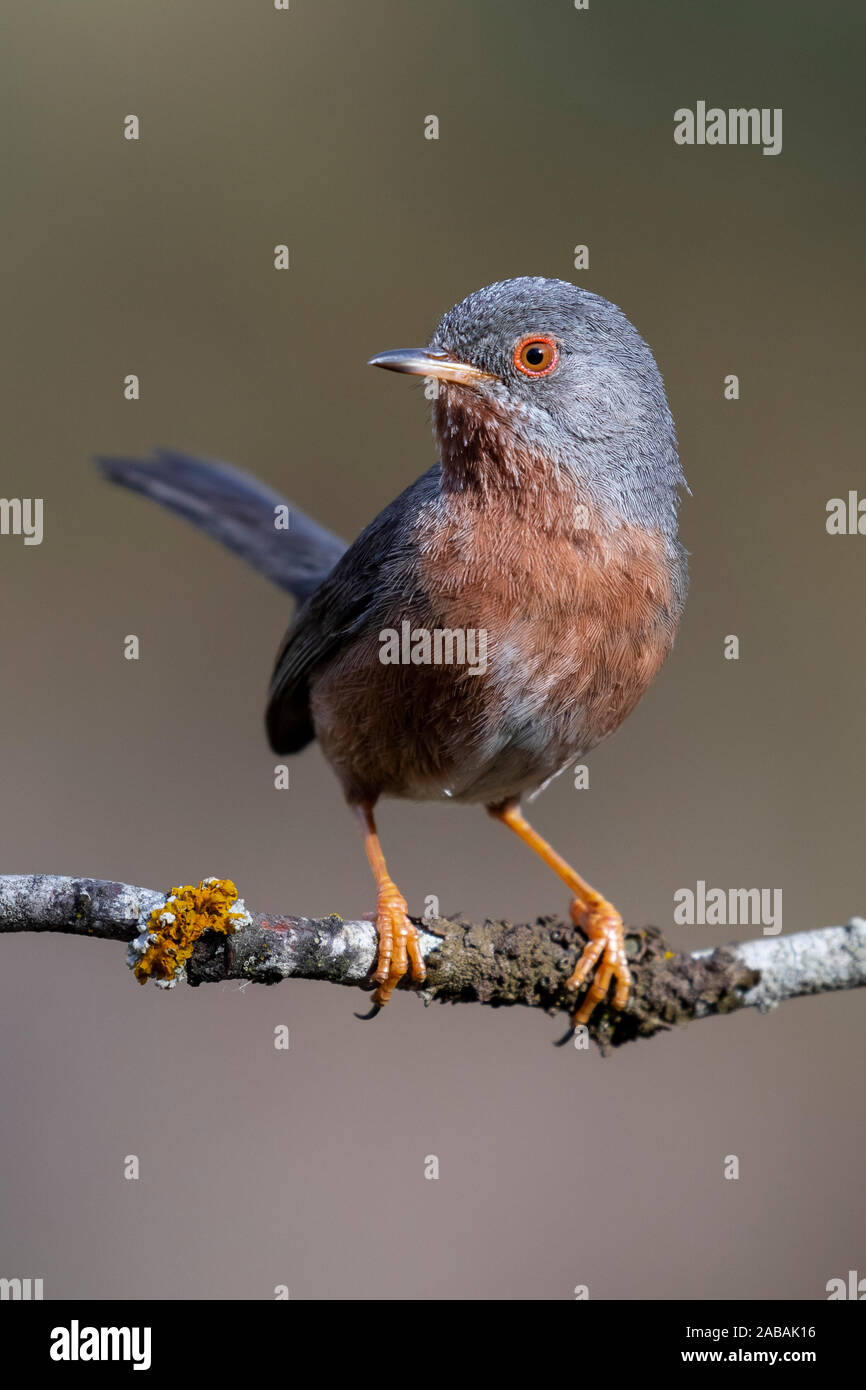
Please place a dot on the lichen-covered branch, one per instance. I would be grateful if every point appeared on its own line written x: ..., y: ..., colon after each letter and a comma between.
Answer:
x: 208, y: 935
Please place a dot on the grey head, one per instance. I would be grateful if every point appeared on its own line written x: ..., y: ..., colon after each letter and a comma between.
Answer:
x: 557, y: 371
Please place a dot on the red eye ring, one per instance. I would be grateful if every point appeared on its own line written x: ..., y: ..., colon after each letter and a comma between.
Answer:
x: 536, y: 355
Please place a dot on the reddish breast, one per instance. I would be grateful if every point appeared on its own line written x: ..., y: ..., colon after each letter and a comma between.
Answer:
x: 579, y: 612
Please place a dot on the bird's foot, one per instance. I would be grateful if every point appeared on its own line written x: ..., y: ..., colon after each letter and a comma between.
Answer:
x: 399, y: 943
x: 603, y: 958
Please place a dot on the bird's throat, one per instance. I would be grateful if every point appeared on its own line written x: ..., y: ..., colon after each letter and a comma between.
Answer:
x: 489, y: 457
x: 482, y: 447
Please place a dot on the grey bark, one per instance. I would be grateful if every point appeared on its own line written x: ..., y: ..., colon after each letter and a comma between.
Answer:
x: 495, y: 963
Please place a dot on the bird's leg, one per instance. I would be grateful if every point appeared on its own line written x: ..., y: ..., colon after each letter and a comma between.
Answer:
x: 399, y: 941
x: 603, y: 958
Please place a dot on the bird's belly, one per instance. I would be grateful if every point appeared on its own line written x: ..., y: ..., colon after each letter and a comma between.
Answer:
x: 577, y: 626
x: 560, y: 655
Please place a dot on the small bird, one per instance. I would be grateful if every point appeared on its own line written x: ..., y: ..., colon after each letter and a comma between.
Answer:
x: 543, y: 543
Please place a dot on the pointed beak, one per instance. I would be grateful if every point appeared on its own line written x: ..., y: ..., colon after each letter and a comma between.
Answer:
x: 430, y: 362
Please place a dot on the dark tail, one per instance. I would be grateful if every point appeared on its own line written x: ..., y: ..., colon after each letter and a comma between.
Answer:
x: 237, y: 510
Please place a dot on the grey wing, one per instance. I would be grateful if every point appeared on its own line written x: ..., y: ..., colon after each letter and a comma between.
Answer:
x: 378, y: 569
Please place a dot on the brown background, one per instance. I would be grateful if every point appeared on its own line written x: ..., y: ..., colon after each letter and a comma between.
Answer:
x: 306, y: 1168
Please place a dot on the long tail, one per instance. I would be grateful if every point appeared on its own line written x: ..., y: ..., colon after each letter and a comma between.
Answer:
x: 237, y: 510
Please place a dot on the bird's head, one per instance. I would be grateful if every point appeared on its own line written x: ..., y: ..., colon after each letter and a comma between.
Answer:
x: 538, y: 375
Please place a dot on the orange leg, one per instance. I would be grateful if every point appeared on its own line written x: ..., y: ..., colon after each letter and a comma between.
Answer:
x: 399, y: 941
x: 603, y: 958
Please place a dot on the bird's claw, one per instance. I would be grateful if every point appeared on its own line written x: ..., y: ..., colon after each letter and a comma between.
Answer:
x: 399, y: 946
x: 603, y: 958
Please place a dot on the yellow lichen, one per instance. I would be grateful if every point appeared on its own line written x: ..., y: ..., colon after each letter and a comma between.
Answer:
x: 180, y: 921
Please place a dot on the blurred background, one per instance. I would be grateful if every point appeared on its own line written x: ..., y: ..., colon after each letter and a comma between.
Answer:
x: 155, y: 257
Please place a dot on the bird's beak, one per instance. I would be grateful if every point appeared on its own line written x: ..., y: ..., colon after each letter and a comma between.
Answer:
x: 430, y: 362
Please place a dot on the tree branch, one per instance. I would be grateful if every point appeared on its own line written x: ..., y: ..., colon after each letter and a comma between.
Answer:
x: 494, y: 963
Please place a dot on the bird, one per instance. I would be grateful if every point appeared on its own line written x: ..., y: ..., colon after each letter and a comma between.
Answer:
x: 543, y: 543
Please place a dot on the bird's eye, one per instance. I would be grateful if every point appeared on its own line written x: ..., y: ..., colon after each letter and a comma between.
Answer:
x: 536, y: 356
